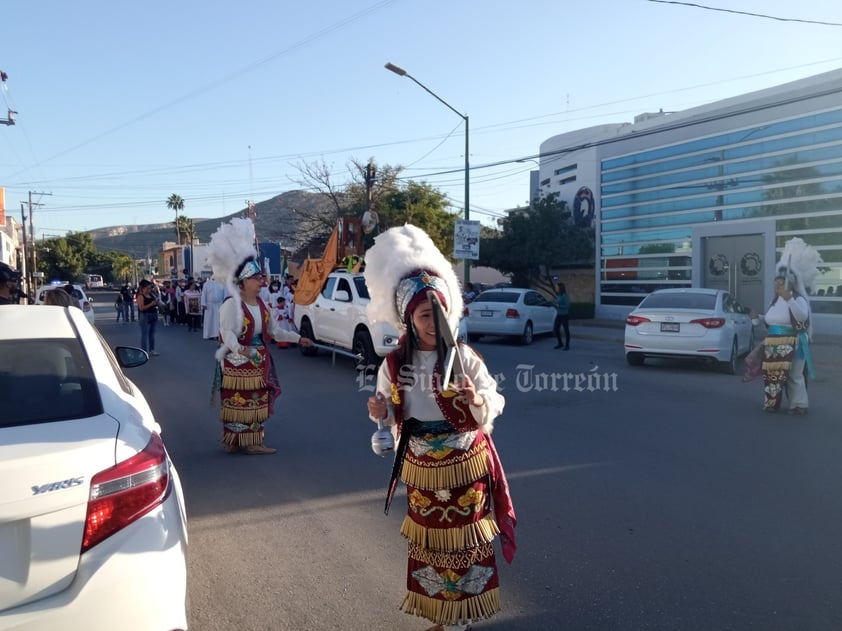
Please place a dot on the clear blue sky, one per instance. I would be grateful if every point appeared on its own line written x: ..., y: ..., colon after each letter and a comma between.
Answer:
x: 122, y: 104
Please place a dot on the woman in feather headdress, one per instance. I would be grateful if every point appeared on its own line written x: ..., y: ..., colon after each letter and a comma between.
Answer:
x: 246, y: 377
x: 458, y: 499
x: 786, y: 348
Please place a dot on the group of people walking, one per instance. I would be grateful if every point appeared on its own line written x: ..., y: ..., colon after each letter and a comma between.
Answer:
x: 183, y: 302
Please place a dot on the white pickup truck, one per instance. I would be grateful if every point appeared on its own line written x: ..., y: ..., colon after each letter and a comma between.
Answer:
x: 337, y: 318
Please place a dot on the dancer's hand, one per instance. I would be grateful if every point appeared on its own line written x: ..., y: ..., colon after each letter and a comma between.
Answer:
x: 377, y: 407
x: 468, y: 392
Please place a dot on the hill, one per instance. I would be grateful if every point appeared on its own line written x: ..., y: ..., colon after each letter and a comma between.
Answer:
x: 292, y: 219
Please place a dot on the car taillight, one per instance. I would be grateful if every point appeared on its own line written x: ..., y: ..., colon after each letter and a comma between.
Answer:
x: 635, y: 320
x: 465, y: 312
x: 709, y: 323
x: 126, y: 492
x: 512, y: 313
x: 86, y: 306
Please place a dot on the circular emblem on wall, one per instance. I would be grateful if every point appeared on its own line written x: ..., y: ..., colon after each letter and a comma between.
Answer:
x: 750, y: 264
x: 584, y: 207
x: 718, y: 265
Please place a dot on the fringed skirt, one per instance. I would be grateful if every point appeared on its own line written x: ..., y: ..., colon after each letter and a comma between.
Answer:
x: 248, y: 391
x: 452, y: 571
x: 778, y: 353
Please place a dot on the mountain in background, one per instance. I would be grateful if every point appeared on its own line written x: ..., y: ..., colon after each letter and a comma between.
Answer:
x: 292, y: 219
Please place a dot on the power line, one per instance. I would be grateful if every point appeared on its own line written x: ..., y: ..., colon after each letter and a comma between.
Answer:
x: 754, y: 15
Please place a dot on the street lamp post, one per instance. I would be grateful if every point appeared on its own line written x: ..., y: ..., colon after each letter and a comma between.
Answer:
x: 403, y: 73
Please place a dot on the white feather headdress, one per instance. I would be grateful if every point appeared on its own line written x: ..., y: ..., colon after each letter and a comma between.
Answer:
x: 397, y: 253
x: 229, y: 247
x: 799, y: 263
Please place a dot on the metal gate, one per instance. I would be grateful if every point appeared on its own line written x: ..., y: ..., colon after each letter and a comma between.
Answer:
x: 735, y: 263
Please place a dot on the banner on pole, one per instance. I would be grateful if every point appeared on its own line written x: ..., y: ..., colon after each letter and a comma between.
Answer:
x: 466, y: 240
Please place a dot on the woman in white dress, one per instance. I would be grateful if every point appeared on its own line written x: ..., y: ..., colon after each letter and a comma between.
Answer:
x: 212, y: 296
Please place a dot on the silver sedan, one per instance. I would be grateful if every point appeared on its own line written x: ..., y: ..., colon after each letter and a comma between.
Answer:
x: 518, y: 313
x: 691, y: 322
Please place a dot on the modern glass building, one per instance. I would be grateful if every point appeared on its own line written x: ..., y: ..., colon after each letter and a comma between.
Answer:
x: 708, y: 197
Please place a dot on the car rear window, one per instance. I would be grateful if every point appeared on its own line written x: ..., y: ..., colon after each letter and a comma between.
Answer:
x: 679, y: 301
x: 497, y: 296
x: 45, y: 380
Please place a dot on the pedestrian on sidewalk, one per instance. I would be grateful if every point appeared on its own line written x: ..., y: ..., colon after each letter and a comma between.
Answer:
x: 562, y: 317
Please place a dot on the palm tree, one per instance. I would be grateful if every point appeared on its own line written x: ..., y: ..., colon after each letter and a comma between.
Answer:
x: 185, y: 227
x: 176, y: 203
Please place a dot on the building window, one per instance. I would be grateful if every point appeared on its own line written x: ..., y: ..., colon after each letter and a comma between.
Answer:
x: 566, y: 180
x: 566, y: 169
x: 789, y: 170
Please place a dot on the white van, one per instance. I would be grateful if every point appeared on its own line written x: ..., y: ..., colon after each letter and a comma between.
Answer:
x: 94, y: 281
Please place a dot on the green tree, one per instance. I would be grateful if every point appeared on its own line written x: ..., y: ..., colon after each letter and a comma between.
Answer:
x: 536, y: 239
x: 59, y: 259
x: 176, y: 204
x: 115, y: 267
x: 83, y: 244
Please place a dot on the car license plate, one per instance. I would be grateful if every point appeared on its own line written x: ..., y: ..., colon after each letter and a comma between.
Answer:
x: 670, y: 327
x: 486, y: 314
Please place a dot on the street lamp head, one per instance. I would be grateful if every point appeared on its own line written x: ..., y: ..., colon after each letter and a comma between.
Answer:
x: 396, y: 69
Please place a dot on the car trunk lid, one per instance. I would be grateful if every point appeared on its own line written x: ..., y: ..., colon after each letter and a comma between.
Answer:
x: 673, y: 322
x: 47, y: 469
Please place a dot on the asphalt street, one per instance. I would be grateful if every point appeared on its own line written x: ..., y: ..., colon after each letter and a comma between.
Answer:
x: 654, y: 497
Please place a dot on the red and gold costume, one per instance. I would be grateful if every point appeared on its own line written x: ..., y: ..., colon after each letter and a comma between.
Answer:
x: 457, y: 496
x: 248, y: 385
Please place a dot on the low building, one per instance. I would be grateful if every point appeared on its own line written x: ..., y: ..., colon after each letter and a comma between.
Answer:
x: 707, y: 197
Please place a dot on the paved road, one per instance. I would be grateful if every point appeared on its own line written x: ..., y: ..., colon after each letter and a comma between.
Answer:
x: 658, y: 497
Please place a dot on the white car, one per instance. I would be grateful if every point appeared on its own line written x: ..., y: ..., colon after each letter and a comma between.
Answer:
x: 509, y: 311
x: 691, y: 322
x: 92, y: 521
x: 78, y: 292
x: 337, y: 317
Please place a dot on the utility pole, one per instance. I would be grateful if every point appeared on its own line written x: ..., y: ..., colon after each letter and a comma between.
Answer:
x: 25, y: 271
x: 32, y: 228
x: 10, y: 119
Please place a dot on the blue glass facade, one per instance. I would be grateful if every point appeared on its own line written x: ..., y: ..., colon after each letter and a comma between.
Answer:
x: 787, y: 170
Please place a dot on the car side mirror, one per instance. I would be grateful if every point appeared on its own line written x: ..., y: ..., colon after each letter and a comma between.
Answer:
x: 131, y: 357
x: 342, y: 295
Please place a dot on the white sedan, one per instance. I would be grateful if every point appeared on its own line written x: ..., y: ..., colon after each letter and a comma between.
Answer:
x: 520, y: 313
x: 92, y: 521
x: 84, y: 300
x: 691, y: 322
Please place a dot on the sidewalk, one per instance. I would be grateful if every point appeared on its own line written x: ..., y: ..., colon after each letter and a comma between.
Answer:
x: 825, y: 349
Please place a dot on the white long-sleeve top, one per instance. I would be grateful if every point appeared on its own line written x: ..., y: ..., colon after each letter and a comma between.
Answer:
x: 419, y: 399
x: 779, y: 312
x: 231, y: 326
